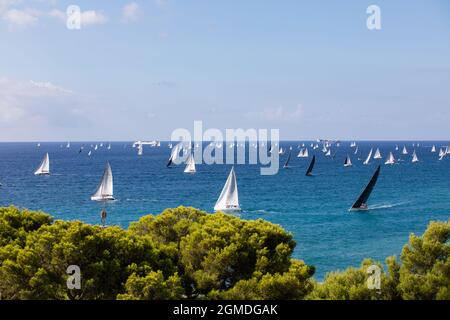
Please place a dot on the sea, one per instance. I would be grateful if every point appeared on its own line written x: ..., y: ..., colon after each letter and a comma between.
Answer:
x: 314, y: 209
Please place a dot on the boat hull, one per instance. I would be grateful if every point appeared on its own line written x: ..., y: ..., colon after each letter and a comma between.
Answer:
x: 107, y: 198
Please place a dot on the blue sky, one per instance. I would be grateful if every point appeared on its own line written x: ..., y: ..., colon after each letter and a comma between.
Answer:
x: 140, y: 69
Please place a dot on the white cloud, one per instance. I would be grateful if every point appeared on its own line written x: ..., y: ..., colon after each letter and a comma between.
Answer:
x: 20, y: 18
x: 18, y: 99
x: 131, y: 12
x: 88, y: 18
x: 277, y: 114
x: 92, y: 17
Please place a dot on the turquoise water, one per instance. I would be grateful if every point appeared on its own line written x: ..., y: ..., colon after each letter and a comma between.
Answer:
x: 314, y: 209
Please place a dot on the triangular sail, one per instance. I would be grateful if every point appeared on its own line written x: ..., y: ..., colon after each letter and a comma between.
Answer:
x: 348, y: 161
x: 377, y: 154
x: 174, y: 154
x: 190, y: 164
x: 229, y: 199
x: 415, y: 158
x: 44, y: 167
x: 286, y: 164
x: 368, y: 157
x: 361, y: 202
x: 105, y: 188
x: 433, y: 149
x: 404, y: 151
x: 311, y: 167
x: 390, y: 159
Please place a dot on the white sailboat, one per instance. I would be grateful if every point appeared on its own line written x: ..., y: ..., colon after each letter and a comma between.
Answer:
x: 68, y: 145
x: 300, y: 154
x: 368, y: 157
x: 328, y: 154
x: 109, y: 146
x: 404, y: 151
x: 433, y: 149
x: 415, y: 158
x: 38, y: 145
x: 89, y: 153
x: 377, y: 154
x: 170, y: 146
x: 104, y: 190
x: 96, y: 147
x: 348, y: 162
x: 390, y: 160
x: 396, y: 147
x: 190, y: 164
x: 281, y: 151
x: 44, y: 167
x: 356, y: 151
x: 229, y: 200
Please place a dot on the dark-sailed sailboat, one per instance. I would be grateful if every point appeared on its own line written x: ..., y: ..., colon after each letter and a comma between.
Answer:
x: 361, y: 203
x: 286, y: 164
x: 311, y: 167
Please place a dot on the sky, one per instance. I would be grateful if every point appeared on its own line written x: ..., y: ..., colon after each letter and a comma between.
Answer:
x: 141, y: 69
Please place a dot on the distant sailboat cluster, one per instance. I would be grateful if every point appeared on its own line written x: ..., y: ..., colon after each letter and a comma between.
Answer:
x: 228, y: 200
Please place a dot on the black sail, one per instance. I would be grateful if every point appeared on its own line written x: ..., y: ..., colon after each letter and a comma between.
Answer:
x: 311, y: 166
x: 362, y: 200
x: 286, y: 164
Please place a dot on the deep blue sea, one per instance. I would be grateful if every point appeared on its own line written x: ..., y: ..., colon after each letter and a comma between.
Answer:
x: 315, y: 209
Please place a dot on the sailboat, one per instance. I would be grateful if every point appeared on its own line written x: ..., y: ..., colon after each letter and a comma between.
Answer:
x: 300, y: 154
x: 361, y: 202
x: 90, y: 152
x: 328, y: 154
x: 390, y: 160
x: 96, y: 147
x: 311, y: 167
x: 368, y: 157
x: 190, y: 164
x: 396, y: 147
x: 68, y: 145
x: 38, y: 145
x: 356, y: 151
x: 377, y: 154
x: 109, y: 146
x: 415, y: 158
x: 174, y: 154
x: 353, y: 144
x: 281, y: 151
x: 286, y: 164
x: 170, y: 146
x: 229, y: 200
x: 404, y: 151
x: 104, y: 190
x: 433, y: 149
x: 348, y: 161
x: 44, y: 167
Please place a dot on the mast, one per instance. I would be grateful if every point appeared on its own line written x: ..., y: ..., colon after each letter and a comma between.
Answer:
x: 368, y: 157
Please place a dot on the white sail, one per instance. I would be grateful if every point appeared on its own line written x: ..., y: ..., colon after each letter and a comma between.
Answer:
x: 300, y: 154
x: 90, y: 152
x: 415, y: 158
x: 433, y: 149
x: 328, y: 154
x: 105, y: 188
x: 229, y: 199
x: 170, y: 146
x: 109, y: 146
x: 390, y: 159
x: 190, y: 164
x: 38, y: 145
x: 44, y: 167
x: 404, y: 151
x: 96, y: 147
x: 356, y: 151
x: 306, y: 153
x: 396, y: 147
x: 368, y: 157
x: 281, y: 151
x: 68, y: 145
x: 377, y: 154
x: 348, y: 161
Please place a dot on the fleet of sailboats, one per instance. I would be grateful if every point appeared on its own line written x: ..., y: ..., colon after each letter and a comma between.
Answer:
x: 228, y: 200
